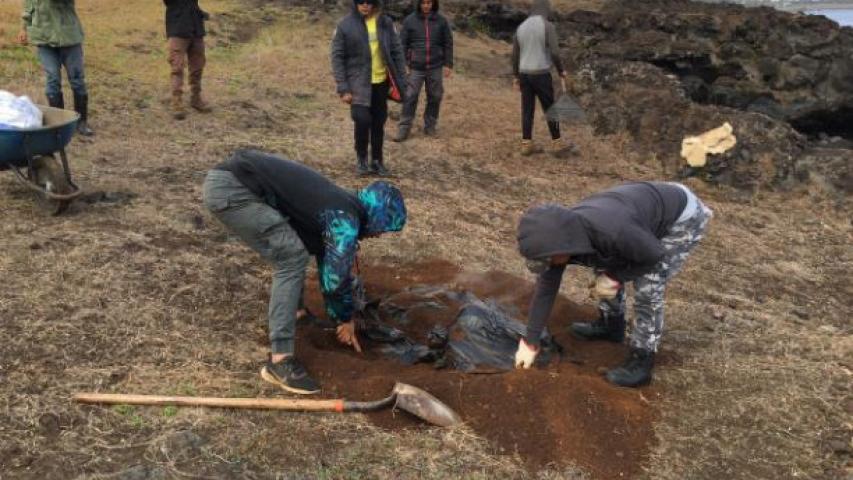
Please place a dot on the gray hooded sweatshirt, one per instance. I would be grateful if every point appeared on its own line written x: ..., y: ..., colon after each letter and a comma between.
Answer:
x: 535, y: 48
x: 616, y: 231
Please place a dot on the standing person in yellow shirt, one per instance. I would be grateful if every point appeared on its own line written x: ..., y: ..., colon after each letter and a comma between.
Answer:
x: 367, y: 61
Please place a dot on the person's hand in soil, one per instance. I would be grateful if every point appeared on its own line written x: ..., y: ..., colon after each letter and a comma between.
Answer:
x: 525, y: 355
x: 347, y: 334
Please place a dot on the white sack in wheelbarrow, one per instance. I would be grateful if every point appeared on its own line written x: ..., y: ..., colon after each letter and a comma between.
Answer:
x: 18, y: 112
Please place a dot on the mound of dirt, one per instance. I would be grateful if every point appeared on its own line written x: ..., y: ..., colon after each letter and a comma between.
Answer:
x: 561, y: 414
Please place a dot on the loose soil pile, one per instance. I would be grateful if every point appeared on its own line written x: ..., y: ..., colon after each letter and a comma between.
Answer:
x: 565, y: 413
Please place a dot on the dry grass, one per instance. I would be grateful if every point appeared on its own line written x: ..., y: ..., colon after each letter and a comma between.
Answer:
x: 145, y: 295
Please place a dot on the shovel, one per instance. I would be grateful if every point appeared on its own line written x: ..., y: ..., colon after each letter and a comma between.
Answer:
x: 405, y: 397
x: 565, y: 109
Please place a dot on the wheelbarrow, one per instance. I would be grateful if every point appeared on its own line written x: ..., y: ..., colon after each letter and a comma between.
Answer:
x: 34, y: 149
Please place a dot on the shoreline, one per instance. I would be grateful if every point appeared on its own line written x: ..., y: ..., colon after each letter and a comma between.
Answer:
x: 808, y: 7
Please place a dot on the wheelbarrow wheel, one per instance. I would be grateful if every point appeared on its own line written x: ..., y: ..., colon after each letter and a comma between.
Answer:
x: 50, y: 176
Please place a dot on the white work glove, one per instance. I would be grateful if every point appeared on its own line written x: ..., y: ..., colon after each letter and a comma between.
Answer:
x: 525, y: 355
x: 605, y: 288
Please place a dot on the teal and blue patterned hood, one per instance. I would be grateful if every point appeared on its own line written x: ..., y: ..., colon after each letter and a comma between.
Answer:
x: 386, y: 211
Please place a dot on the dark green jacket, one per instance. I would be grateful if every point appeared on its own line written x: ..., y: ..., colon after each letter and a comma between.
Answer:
x: 52, y: 23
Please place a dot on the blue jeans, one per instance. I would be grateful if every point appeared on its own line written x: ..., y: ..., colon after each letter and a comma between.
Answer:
x: 53, y: 58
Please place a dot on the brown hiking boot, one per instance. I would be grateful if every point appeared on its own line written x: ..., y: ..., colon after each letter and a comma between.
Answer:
x: 562, y: 149
x: 177, y: 106
x: 199, y: 104
x: 529, y: 148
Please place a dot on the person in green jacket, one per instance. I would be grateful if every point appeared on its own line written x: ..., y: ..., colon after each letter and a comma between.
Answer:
x: 53, y: 27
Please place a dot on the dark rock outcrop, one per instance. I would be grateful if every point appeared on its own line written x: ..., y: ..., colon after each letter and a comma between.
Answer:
x: 661, y: 70
x: 796, y: 68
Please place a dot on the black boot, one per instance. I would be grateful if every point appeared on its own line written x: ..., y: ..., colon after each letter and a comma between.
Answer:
x: 56, y: 101
x: 361, y: 167
x: 377, y: 167
x: 402, y: 134
x: 608, y: 327
x: 81, y: 106
x: 636, y: 371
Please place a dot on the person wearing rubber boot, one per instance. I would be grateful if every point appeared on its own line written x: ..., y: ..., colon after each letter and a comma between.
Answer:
x: 636, y: 232
x: 54, y: 28
x: 428, y: 47
x: 535, y: 50
x: 288, y: 212
x: 367, y: 61
x: 185, y: 31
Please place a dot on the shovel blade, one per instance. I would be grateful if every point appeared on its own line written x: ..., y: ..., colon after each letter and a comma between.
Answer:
x: 424, y: 406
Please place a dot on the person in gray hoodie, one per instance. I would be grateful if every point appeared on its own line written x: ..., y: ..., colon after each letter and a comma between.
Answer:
x: 535, y: 50
x: 637, y: 232
x: 367, y: 61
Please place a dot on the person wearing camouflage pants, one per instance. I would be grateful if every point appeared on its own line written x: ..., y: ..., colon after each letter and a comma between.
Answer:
x: 649, y: 289
x: 638, y: 232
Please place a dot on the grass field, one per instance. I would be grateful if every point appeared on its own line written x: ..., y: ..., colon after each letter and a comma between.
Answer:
x: 136, y: 289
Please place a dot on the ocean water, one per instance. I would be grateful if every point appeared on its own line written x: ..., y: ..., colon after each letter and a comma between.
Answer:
x: 843, y: 17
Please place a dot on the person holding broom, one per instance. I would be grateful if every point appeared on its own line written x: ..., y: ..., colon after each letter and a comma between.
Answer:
x: 535, y: 50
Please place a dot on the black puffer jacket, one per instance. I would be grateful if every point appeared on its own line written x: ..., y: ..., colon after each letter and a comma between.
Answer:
x: 184, y: 19
x: 427, y: 39
x: 351, y: 58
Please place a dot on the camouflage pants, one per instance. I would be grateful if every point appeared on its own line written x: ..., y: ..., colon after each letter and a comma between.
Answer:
x: 650, y: 288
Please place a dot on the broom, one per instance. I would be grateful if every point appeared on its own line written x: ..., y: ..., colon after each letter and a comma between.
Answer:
x: 565, y: 109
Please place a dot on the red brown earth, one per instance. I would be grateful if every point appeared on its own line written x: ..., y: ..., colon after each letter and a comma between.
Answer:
x: 563, y: 414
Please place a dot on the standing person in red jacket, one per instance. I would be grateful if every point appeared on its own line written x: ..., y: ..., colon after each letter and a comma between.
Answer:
x: 185, y: 29
x: 428, y: 46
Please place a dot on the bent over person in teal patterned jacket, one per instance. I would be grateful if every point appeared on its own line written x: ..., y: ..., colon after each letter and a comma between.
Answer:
x: 287, y: 212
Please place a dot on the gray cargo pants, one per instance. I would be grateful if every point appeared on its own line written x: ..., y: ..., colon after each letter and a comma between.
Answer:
x: 434, y: 79
x: 650, y: 288
x: 269, y: 233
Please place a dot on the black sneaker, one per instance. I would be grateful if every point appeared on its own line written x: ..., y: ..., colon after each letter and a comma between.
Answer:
x: 290, y: 375
x: 379, y: 168
x: 361, y: 168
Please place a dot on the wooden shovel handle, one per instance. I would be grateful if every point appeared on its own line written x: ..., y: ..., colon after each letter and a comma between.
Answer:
x: 251, y: 403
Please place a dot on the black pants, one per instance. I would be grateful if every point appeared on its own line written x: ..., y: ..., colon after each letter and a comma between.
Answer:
x: 532, y: 87
x: 370, y: 123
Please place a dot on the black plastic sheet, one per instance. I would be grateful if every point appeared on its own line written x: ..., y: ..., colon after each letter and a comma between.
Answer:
x: 482, y: 338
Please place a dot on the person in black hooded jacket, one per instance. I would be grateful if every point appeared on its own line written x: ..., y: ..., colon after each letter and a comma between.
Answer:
x: 636, y: 232
x: 367, y: 61
x: 428, y: 46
